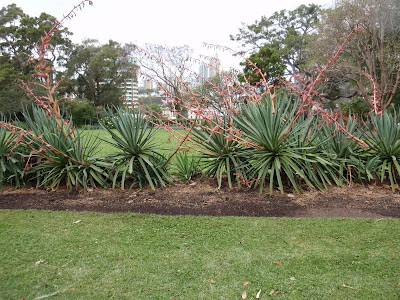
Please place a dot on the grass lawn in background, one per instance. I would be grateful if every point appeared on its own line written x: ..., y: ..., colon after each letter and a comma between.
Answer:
x: 84, y: 255
x: 161, y: 138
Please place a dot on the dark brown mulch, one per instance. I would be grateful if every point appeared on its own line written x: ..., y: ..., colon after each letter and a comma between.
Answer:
x: 205, y: 199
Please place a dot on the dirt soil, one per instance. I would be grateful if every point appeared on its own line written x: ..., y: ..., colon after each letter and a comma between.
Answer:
x: 204, y: 198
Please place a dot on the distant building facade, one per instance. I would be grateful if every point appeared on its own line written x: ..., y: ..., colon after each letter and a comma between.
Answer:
x: 210, y: 69
x: 130, y: 92
x: 130, y: 88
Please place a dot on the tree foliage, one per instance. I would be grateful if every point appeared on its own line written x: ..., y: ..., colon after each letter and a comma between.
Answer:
x: 266, y: 62
x: 284, y: 34
x: 20, y: 34
x: 370, y: 62
x: 95, y: 72
x: 214, y: 91
x: 169, y: 65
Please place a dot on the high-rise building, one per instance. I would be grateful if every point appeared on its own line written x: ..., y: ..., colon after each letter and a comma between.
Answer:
x: 203, y: 72
x: 130, y: 88
x: 210, y: 69
x: 215, y: 66
x: 148, y: 84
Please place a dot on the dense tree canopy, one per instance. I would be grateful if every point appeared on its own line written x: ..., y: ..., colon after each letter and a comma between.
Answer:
x: 284, y: 34
x: 266, y: 62
x: 19, y: 36
x: 95, y: 72
x: 373, y: 52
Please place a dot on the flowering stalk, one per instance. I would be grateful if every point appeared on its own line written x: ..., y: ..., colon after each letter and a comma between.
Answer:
x: 43, y: 71
x: 308, y: 93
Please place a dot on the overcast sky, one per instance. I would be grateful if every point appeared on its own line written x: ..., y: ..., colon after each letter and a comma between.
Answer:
x: 169, y: 22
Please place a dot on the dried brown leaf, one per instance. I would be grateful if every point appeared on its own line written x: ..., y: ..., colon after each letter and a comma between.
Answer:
x: 292, y: 278
x: 39, y: 262
x: 348, y: 287
x: 245, y: 283
x: 212, y: 281
x: 278, y: 263
x: 244, y: 295
x: 271, y: 293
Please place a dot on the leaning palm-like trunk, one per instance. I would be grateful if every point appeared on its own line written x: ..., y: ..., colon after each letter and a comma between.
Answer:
x: 283, y: 146
x: 137, y: 157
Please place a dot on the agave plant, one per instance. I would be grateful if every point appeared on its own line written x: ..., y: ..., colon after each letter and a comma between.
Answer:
x: 283, y: 145
x: 384, y: 141
x: 221, y: 155
x: 339, y: 147
x: 61, y: 154
x: 188, y: 167
x: 137, y: 155
x: 320, y: 168
x: 10, y: 161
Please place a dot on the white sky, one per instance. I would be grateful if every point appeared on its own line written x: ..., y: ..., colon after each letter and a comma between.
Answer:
x: 168, y: 22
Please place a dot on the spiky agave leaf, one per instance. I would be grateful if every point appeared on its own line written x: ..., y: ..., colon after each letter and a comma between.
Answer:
x: 285, y: 145
x: 11, y: 163
x: 384, y: 140
x: 188, y: 166
x: 61, y: 154
x: 221, y: 155
x: 137, y: 156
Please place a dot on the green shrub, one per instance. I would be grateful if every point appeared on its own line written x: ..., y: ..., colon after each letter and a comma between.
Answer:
x: 356, y: 106
x: 138, y: 157
x: 384, y: 141
x: 221, y: 155
x: 59, y: 156
x: 11, y: 163
x: 344, y: 150
x: 284, y: 147
x: 81, y: 111
x: 188, y: 167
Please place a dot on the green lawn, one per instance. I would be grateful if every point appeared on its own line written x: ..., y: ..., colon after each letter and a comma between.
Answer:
x: 137, y: 256
x: 166, y: 143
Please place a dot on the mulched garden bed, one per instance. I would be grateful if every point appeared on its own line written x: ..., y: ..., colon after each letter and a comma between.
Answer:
x: 204, y: 198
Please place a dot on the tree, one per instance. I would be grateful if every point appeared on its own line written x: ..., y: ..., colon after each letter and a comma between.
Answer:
x: 370, y: 63
x: 266, y: 62
x: 150, y: 96
x: 168, y: 65
x: 20, y: 34
x: 285, y: 34
x: 96, y: 72
x: 81, y: 111
x: 215, y: 93
x: 12, y: 96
